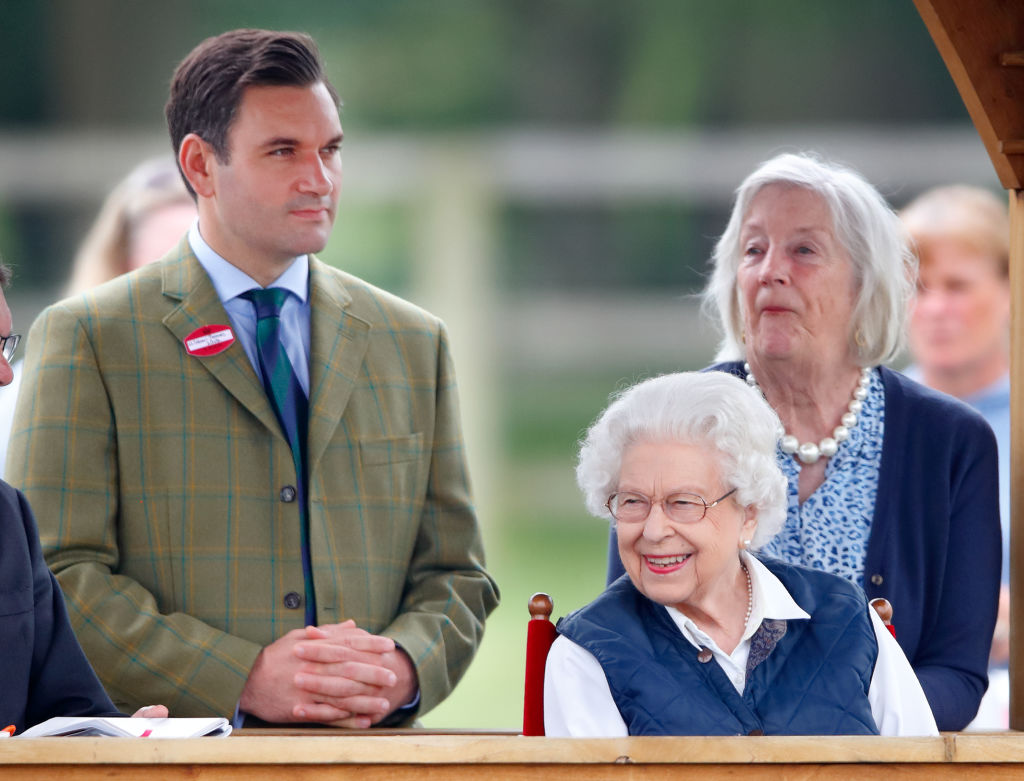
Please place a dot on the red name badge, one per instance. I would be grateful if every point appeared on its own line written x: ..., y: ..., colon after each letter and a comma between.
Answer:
x: 209, y: 340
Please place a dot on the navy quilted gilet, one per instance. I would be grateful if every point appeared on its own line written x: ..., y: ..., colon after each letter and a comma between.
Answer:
x: 814, y: 681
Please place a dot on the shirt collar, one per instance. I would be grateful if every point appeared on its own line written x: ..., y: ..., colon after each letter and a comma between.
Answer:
x: 771, y: 601
x: 230, y: 281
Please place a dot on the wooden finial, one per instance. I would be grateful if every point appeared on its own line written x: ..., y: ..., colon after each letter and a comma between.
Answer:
x: 883, y: 608
x: 541, y: 607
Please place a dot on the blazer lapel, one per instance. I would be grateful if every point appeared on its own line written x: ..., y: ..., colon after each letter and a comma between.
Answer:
x: 187, y: 282
x: 338, y: 344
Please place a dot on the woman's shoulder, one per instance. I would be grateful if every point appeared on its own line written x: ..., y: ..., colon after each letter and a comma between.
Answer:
x: 902, y: 388
x: 912, y: 403
x: 618, y: 595
x: 620, y: 606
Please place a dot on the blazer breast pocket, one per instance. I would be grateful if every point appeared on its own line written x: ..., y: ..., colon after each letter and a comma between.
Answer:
x: 393, y: 474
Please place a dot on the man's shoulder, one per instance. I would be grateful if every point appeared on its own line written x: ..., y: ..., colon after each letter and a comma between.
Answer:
x: 125, y: 294
x: 369, y: 302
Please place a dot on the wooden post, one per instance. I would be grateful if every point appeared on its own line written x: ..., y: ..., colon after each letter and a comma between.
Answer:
x: 540, y: 634
x: 454, y: 277
x: 981, y: 43
x: 1017, y: 459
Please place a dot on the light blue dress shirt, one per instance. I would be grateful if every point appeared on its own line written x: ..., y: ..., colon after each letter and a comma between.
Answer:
x: 230, y: 282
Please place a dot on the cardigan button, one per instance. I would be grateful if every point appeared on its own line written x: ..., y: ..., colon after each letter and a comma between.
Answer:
x: 292, y: 600
x: 288, y: 493
x: 704, y: 655
x: 876, y: 579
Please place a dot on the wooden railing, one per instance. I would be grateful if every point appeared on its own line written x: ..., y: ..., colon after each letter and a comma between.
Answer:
x: 257, y: 755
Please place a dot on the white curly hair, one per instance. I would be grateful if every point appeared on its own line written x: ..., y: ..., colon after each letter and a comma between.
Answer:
x: 713, y: 409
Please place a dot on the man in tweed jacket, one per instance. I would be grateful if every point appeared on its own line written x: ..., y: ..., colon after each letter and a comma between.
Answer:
x: 164, y: 484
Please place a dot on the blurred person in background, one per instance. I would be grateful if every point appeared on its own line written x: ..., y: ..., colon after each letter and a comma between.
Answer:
x: 704, y: 637
x: 891, y: 485
x: 960, y: 345
x: 141, y: 218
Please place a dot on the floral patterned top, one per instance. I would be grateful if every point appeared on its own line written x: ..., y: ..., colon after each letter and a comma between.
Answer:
x: 829, y: 531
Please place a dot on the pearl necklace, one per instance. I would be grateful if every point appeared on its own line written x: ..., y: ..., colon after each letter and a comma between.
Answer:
x: 808, y: 452
x: 750, y: 596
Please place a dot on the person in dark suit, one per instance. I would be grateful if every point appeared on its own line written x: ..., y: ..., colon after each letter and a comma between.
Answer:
x: 48, y: 675
x: 43, y: 672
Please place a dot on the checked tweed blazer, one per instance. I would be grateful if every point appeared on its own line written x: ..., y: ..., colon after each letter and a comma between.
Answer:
x: 158, y: 480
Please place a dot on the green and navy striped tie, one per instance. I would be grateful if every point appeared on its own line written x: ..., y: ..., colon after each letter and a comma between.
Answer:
x: 292, y: 408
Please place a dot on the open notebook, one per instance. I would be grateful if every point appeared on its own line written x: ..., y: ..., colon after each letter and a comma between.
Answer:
x: 95, y: 726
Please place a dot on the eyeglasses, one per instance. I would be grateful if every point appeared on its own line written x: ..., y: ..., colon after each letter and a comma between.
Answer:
x: 630, y: 507
x: 8, y: 345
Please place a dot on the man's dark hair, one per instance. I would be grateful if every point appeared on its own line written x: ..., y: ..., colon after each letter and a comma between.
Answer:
x: 207, y: 86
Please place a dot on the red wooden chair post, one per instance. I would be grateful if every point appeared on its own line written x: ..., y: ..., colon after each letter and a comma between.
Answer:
x: 884, y: 610
x: 540, y: 634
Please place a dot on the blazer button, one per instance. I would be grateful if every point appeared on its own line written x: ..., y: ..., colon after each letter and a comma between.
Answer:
x: 756, y: 732
x: 288, y: 493
x: 876, y: 579
x: 292, y: 600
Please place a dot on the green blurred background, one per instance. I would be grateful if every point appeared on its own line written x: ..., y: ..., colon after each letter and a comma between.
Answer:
x: 546, y: 175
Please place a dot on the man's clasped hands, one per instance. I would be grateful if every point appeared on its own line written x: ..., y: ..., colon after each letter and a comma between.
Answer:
x: 335, y: 674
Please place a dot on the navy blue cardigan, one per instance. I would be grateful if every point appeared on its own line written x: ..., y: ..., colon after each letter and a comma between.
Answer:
x: 934, y: 550
x: 43, y: 671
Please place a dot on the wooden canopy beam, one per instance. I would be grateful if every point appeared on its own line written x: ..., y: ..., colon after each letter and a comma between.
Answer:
x: 982, y: 44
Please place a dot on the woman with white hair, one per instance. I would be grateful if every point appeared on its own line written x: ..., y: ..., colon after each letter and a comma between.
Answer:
x: 889, y: 484
x: 703, y: 637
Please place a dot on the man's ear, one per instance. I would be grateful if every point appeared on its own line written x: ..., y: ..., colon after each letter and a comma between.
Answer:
x: 197, y: 160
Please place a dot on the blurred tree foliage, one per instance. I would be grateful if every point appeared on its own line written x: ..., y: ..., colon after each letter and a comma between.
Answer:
x: 426, y: 66
x: 439, y: 64
x: 647, y: 245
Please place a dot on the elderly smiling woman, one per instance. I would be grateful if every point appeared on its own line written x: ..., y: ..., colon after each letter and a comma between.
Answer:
x: 701, y: 637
